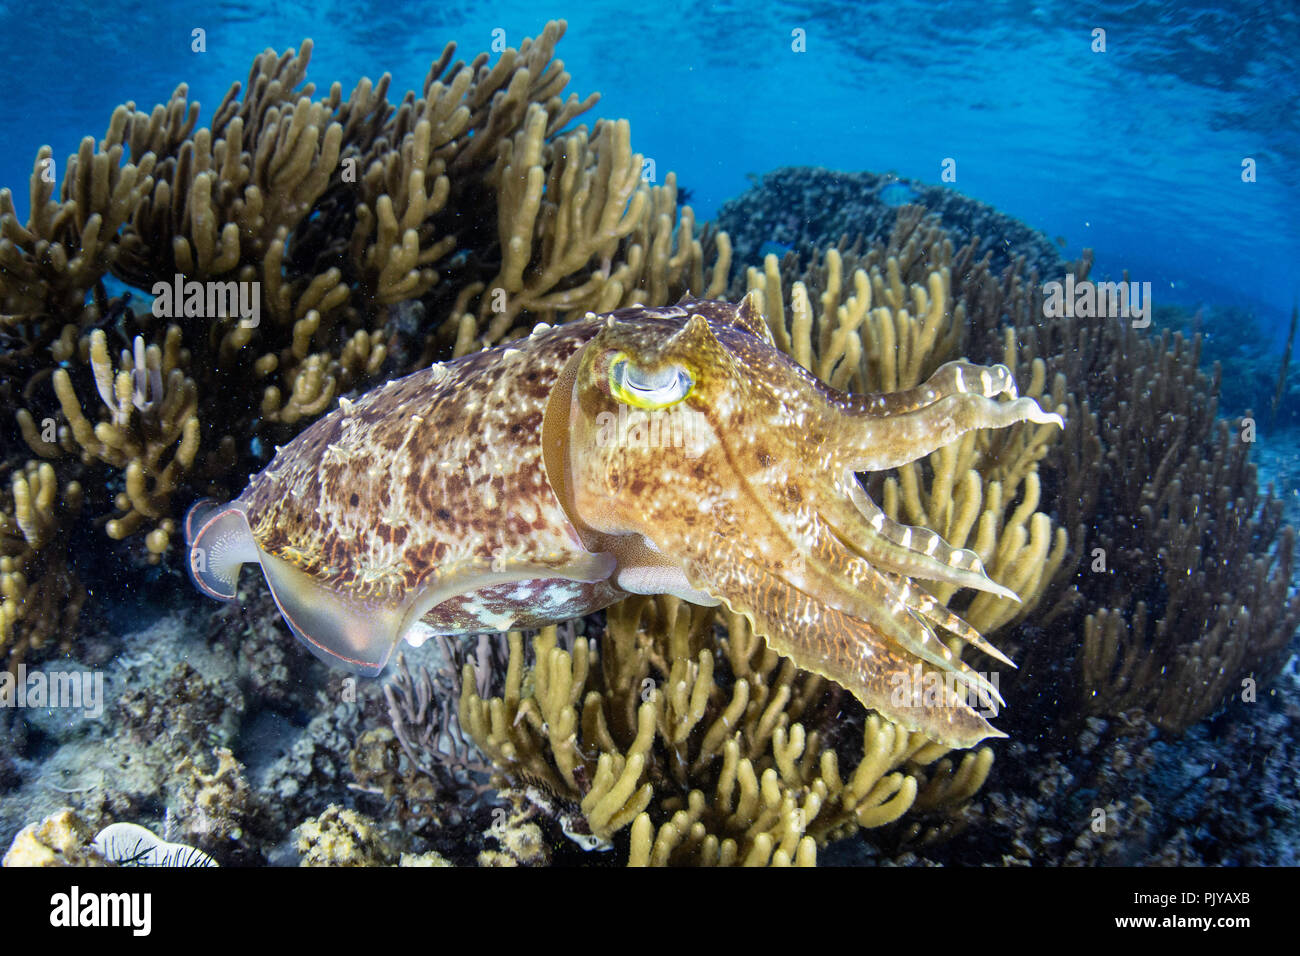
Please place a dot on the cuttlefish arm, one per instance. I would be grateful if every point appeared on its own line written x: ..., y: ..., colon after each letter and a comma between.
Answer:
x: 856, y: 580
x: 815, y: 599
x: 821, y: 636
x: 851, y: 610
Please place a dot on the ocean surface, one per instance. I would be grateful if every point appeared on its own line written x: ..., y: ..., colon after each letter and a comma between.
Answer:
x: 1136, y: 152
x: 1164, y: 136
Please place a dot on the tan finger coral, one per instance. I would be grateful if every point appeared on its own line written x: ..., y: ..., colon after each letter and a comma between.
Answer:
x: 705, y: 753
x: 149, y: 407
x: 40, y: 594
x: 66, y: 246
x: 581, y: 231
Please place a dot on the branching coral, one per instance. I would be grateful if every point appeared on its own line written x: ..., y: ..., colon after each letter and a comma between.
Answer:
x: 1175, y: 587
x: 575, y: 201
x: 808, y: 208
x: 1188, y: 597
x: 149, y: 418
x: 40, y: 595
x: 423, y: 761
x: 320, y: 231
x: 67, y: 246
x: 706, y: 751
x: 1176, y: 584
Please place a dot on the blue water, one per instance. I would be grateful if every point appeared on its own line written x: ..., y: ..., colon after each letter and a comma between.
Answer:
x: 1135, y: 152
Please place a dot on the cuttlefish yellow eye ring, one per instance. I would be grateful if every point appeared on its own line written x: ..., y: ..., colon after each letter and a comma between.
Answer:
x: 651, y: 391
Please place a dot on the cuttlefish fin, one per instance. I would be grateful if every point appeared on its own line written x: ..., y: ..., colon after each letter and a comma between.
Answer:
x: 337, y: 628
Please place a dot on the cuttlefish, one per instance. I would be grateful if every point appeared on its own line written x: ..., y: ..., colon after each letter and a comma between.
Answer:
x: 666, y: 450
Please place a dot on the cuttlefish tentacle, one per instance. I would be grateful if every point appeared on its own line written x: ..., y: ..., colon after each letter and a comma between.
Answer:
x: 938, y: 615
x: 951, y: 378
x: 922, y: 604
x: 876, y: 442
x: 830, y: 572
x: 887, y: 546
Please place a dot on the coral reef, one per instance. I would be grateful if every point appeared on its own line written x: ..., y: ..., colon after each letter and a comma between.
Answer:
x: 1176, y: 587
x: 318, y: 763
x: 62, y: 839
x: 343, y: 837
x: 699, y: 750
x: 984, y: 491
x: 808, y: 208
x: 186, y: 707
x: 192, y: 751
x: 1232, y: 339
x: 340, y: 241
x: 1254, y: 378
x: 425, y: 758
x: 1121, y: 793
x: 340, y: 836
x: 1187, y: 586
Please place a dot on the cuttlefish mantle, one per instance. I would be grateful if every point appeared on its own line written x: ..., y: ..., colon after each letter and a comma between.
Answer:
x: 650, y: 450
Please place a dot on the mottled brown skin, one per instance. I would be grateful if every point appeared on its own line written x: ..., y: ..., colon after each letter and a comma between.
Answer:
x: 440, y: 469
x: 496, y: 492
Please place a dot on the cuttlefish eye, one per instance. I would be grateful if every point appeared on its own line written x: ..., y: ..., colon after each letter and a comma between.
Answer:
x: 648, y: 390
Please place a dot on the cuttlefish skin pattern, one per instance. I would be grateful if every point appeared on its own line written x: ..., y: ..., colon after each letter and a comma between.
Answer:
x: 650, y: 450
